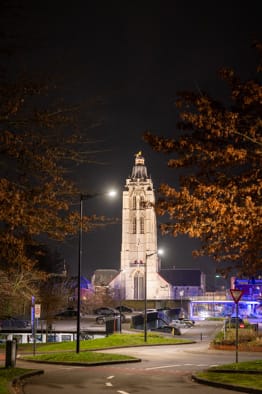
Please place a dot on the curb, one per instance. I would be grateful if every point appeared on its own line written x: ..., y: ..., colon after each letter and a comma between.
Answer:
x: 241, y: 389
x: 79, y: 364
x: 17, y: 383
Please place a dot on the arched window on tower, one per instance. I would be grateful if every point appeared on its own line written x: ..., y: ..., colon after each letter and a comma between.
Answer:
x: 134, y: 202
x: 142, y: 225
x: 134, y: 225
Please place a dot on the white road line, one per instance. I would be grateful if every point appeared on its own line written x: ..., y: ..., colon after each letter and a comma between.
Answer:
x: 71, y: 367
x: 110, y: 377
x: 164, y: 366
x: 180, y: 365
x: 122, y: 392
x: 109, y: 384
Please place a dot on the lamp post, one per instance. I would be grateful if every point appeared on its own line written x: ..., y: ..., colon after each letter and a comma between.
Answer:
x: 181, y: 293
x: 80, y: 239
x: 145, y: 294
x: 33, y: 323
x: 119, y: 297
x: 79, y: 268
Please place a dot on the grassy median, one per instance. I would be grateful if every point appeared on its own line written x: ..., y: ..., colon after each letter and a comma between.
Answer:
x: 7, y: 375
x: 246, y: 374
x: 115, y: 340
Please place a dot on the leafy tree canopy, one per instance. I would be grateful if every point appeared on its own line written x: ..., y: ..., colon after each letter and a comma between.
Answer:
x: 218, y: 148
x: 42, y: 138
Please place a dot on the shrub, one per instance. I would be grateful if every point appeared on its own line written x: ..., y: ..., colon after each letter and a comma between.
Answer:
x: 229, y: 337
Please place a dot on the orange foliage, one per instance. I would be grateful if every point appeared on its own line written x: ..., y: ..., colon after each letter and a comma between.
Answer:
x: 219, y: 198
x: 37, y: 196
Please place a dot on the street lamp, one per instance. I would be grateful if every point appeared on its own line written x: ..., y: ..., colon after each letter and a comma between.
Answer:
x: 83, y: 197
x: 159, y: 252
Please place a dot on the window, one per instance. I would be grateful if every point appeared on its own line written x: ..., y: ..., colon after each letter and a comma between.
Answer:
x: 138, y: 286
x: 142, y: 226
x: 134, y: 226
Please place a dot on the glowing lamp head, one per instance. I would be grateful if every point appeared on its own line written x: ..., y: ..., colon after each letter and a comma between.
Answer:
x: 112, y: 193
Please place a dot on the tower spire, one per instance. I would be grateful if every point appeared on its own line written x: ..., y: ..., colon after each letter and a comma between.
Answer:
x: 139, y: 170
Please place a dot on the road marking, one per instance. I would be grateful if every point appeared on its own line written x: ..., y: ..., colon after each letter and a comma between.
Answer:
x: 163, y: 366
x: 71, y: 367
x: 110, y: 377
x: 109, y: 384
x: 122, y: 392
x: 181, y: 365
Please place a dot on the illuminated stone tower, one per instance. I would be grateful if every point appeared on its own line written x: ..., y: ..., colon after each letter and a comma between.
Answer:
x: 139, y: 237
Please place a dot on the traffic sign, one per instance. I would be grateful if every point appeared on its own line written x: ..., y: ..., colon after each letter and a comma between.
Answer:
x: 37, y: 311
x: 236, y: 294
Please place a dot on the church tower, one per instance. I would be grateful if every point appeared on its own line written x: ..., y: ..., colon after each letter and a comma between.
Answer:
x: 139, y: 237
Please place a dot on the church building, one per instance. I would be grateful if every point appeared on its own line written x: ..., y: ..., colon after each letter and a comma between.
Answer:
x: 139, y: 252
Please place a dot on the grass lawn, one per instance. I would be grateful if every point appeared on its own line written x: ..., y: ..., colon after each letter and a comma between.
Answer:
x: 7, y: 375
x: 83, y: 357
x: 115, y: 340
x: 244, y: 379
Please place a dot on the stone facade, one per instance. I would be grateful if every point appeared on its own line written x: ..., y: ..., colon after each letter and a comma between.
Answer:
x: 139, y: 258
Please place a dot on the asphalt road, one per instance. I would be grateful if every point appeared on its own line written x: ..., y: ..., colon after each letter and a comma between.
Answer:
x: 163, y: 369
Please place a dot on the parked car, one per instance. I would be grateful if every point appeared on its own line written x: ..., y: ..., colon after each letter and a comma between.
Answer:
x: 108, y: 313
x: 169, y: 329
x: 232, y: 321
x: 124, y: 309
x: 13, y: 322
x: 67, y: 314
x: 188, y: 321
x: 182, y: 323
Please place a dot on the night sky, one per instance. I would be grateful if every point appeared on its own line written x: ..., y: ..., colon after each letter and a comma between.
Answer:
x: 134, y: 56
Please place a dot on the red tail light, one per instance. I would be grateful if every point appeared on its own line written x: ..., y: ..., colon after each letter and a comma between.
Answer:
x: 241, y: 325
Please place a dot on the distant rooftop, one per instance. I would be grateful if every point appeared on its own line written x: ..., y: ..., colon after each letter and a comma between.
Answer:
x: 182, y: 277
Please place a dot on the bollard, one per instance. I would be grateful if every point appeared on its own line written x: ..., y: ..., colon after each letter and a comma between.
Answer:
x: 10, y: 354
x: 110, y: 325
x: 201, y: 336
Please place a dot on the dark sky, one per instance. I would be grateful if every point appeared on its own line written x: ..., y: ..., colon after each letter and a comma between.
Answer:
x: 135, y: 56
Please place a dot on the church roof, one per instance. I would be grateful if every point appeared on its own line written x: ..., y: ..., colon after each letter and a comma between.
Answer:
x: 182, y: 277
x: 139, y: 170
x: 103, y: 277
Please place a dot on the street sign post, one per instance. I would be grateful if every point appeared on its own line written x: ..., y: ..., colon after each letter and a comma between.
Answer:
x: 33, y: 322
x: 236, y: 295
